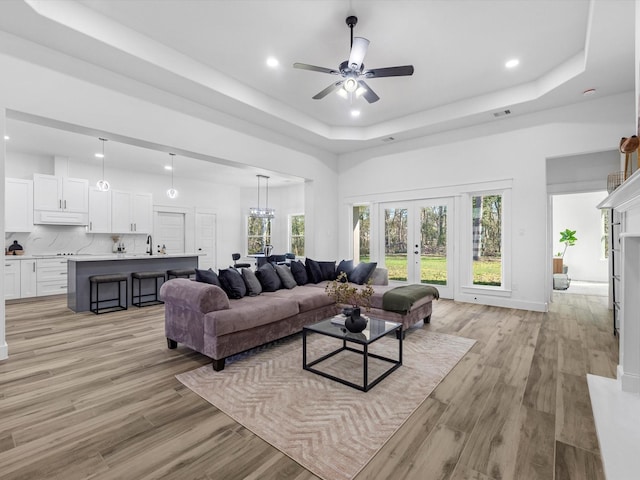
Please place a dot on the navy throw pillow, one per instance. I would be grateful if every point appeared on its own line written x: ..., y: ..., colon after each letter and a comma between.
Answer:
x: 268, y: 278
x: 314, y: 272
x: 328, y: 270
x: 232, y: 283
x: 345, y: 266
x: 299, y: 273
x: 362, y: 272
x: 208, y: 276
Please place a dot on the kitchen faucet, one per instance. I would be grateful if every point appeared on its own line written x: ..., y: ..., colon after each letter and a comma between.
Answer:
x: 150, y: 245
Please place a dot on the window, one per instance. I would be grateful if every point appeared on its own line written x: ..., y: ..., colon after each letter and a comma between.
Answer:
x: 258, y: 234
x: 486, y: 232
x: 361, y: 233
x: 296, y: 235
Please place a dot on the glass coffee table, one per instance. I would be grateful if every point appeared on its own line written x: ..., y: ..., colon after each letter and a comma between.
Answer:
x: 376, y: 329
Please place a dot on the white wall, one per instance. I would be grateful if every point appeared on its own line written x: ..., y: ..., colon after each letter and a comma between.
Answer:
x: 577, y: 212
x: 448, y: 163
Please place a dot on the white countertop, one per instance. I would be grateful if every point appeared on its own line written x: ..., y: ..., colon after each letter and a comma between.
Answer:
x: 128, y: 256
x: 92, y: 257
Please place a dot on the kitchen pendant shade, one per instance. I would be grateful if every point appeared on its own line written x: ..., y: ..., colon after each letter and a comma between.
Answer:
x: 103, y: 185
x: 172, y: 192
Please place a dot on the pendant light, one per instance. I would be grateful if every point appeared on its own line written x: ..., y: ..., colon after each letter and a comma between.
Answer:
x: 265, y: 212
x: 172, y: 192
x: 103, y: 185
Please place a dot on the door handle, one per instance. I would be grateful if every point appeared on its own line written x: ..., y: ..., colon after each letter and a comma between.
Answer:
x: 416, y: 252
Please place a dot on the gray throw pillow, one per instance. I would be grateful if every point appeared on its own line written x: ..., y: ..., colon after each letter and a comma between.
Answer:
x: 251, y: 281
x: 286, y: 277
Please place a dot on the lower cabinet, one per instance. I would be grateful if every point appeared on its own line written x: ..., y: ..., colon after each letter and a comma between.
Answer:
x: 11, y: 279
x: 20, y: 279
x: 52, y: 276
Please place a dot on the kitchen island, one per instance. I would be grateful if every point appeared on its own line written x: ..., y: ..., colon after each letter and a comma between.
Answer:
x: 80, y: 268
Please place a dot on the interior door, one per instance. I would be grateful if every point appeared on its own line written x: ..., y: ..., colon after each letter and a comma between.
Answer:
x: 170, y: 232
x: 206, y: 240
x: 416, y: 243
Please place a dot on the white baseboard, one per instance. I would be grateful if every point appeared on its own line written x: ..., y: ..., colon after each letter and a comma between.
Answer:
x: 4, y: 351
x: 502, y: 302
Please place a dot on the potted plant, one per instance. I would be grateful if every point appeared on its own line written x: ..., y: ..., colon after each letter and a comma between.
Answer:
x: 568, y: 237
x: 344, y: 293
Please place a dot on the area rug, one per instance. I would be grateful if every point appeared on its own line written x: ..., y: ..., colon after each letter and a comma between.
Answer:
x: 330, y: 429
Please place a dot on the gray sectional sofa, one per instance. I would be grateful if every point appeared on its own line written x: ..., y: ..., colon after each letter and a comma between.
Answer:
x: 202, y: 317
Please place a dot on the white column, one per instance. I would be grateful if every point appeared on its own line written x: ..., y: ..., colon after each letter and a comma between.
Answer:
x: 629, y: 367
x: 4, y: 348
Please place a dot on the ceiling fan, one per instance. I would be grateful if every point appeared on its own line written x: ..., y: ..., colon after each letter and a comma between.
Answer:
x: 353, y: 70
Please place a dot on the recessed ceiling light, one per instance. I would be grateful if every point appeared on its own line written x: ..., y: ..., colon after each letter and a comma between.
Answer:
x: 7, y: 137
x: 588, y: 92
x: 168, y: 167
x: 98, y: 155
x: 514, y: 62
x: 355, y: 113
x: 272, y: 62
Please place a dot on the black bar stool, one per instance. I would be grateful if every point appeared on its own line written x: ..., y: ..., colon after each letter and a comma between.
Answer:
x: 98, y: 280
x: 180, y: 273
x: 137, y: 299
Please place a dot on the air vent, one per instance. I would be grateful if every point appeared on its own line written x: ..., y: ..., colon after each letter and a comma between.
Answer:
x: 388, y: 139
x: 502, y: 113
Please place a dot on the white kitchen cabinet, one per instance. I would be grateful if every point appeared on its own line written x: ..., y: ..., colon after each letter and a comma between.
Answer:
x: 60, y: 200
x: 11, y: 279
x: 18, y: 205
x: 131, y: 212
x: 28, y: 278
x: 52, y: 276
x: 99, y: 211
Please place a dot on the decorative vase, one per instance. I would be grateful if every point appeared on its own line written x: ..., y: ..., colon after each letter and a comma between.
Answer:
x: 355, y: 323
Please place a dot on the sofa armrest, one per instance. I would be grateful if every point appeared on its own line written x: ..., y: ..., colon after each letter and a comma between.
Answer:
x: 198, y: 296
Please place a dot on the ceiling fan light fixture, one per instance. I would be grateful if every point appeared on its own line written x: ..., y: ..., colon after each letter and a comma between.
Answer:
x: 350, y: 85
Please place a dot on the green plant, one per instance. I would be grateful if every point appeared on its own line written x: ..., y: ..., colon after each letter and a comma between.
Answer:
x: 345, y: 293
x: 568, y: 237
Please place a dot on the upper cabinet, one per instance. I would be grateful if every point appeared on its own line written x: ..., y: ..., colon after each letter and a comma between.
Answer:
x: 131, y: 212
x: 99, y: 211
x: 60, y: 200
x: 18, y: 205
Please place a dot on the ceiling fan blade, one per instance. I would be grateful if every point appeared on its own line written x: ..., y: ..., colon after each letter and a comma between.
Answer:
x: 328, y: 90
x: 313, y: 68
x: 389, y: 72
x: 358, y: 51
x: 369, y: 95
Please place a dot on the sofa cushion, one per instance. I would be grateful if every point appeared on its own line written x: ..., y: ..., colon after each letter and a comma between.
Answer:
x: 232, y: 283
x: 299, y: 272
x: 361, y: 273
x: 286, y: 277
x: 314, y: 271
x: 309, y: 297
x: 328, y: 270
x: 251, y: 281
x: 249, y: 312
x: 345, y: 266
x: 268, y: 278
x: 208, y: 276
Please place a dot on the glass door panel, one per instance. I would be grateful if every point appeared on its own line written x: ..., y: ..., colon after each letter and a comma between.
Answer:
x: 395, y: 243
x: 433, y: 241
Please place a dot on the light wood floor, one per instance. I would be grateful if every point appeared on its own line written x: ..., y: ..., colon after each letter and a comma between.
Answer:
x: 86, y: 396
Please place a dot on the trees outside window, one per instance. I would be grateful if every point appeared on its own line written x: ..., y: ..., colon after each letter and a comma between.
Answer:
x: 487, y: 239
x: 296, y: 235
x: 362, y: 233
x: 258, y: 234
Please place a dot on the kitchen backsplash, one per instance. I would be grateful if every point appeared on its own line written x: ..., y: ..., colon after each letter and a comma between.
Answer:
x: 53, y: 239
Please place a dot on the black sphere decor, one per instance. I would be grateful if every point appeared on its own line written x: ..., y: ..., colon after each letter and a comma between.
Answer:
x: 355, y: 323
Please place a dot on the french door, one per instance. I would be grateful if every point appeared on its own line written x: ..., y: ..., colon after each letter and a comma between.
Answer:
x: 416, y: 238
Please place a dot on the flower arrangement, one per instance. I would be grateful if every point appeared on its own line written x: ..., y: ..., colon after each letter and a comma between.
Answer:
x: 344, y: 293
